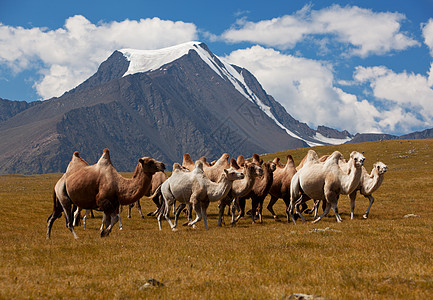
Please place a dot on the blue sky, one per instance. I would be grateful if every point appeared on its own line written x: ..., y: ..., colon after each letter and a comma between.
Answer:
x: 364, y: 66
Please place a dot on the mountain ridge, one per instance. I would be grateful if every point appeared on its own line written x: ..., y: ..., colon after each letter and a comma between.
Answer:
x: 196, y: 103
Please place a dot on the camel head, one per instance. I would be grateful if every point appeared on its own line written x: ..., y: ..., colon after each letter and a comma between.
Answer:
x: 232, y: 174
x: 358, y: 158
x: 150, y: 165
x: 253, y: 169
x: 380, y: 167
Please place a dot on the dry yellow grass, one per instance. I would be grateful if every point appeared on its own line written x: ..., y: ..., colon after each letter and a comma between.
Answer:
x: 385, y: 257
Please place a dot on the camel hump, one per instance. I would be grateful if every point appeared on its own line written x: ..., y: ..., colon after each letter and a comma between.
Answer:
x: 105, y: 158
x: 312, y: 156
x: 240, y: 160
x: 177, y: 166
x: 334, y: 158
x: 199, y: 165
x: 76, y: 154
x: 234, y: 164
x: 257, y: 159
x: 290, y: 161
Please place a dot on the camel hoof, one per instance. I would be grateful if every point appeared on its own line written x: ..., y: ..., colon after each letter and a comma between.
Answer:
x: 174, y: 229
x: 150, y: 214
x: 121, y: 228
x: 104, y: 233
x: 142, y: 217
x: 194, y: 226
x: 365, y: 216
x: 186, y: 224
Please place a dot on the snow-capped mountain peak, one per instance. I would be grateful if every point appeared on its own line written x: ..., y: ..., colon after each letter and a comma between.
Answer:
x: 141, y: 61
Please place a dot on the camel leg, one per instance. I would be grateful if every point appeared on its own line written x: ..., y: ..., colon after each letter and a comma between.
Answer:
x: 77, y: 216
x: 241, y: 207
x: 204, y: 215
x: 139, y: 209
x: 57, y: 213
x: 260, y: 209
x: 335, y: 209
x: 352, y: 197
x: 270, y: 207
x: 371, y: 198
x: 197, y: 207
x: 177, y: 213
x: 111, y: 220
x: 130, y: 206
x: 297, y: 203
x: 86, y: 216
x: 221, y: 207
x: 67, y: 209
x: 325, y: 212
x: 167, y: 217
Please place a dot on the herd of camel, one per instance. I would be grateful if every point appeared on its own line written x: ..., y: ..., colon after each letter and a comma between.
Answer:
x: 193, y: 185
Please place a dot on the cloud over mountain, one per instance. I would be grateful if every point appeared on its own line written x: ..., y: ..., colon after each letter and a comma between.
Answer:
x: 67, y: 56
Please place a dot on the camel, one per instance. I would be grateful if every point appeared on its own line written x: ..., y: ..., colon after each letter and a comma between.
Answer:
x: 280, y: 187
x: 194, y: 188
x: 325, y: 181
x: 240, y: 188
x: 61, y: 196
x: 259, y: 191
x: 368, y: 184
x: 102, y: 188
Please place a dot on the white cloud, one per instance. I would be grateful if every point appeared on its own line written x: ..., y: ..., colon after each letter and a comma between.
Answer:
x: 408, y: 95
x: 427, y: 32
x: 69, y: 55
x: 366, y: 32
x: 305, y: 88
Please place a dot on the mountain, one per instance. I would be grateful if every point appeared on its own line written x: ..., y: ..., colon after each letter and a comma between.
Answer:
x: 9, y: 108
x: 160, y: 103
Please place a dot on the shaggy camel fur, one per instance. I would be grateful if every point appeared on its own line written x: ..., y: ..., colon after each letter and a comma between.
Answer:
x: 240, y: 160
x: 368, y: 184
x: 280, y: 188
x: 100, y: 187
x: 195, y: 188
x: 240, y: 188
x: 60, y: 196
x: 325, y: 181
x: 259, y: 191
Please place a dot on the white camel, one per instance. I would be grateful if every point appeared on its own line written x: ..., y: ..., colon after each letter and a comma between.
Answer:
x: 325, y: 181
x: 194, y: 188
x: 368, y: 184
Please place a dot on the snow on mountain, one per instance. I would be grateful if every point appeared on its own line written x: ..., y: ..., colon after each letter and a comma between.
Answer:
x: 149, y: 60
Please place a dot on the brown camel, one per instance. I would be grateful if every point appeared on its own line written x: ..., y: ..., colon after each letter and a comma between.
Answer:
x: 259, y: 191
x: 240, y: 188
x: 60, y: 196
x: 280, y: 188
x: 102, y: 188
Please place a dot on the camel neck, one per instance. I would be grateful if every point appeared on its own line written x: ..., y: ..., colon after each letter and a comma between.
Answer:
x: 131, y: 190
x: 216, y: 191
x: 350, y: 181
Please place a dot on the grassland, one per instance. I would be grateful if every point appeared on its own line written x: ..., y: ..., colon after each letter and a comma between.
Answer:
x: 387, y: 256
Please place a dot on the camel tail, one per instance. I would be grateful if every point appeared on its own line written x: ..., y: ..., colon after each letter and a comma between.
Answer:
x: 157, y: 192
